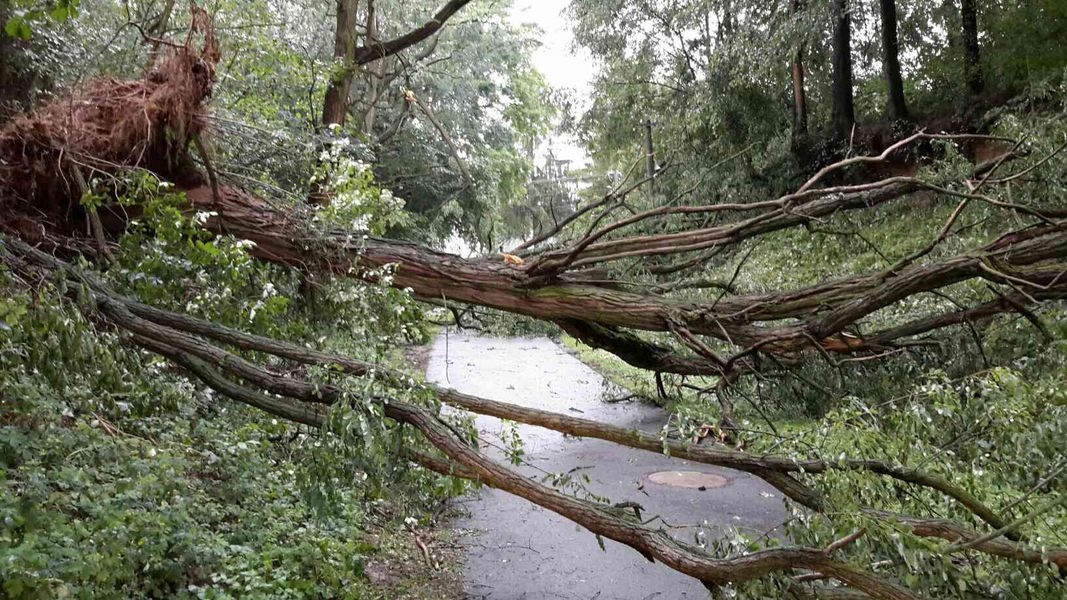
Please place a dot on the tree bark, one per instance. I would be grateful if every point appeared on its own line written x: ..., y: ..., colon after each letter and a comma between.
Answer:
x: 971, y: 65
x: 347, y: 57
x: 740, y: 320
x: 843, y: 113
x: 176, y: 337
x: 335, y: 105
x: 375, y: 77
x: 650, y: 159
x: 799, y: 96
x: 555, y: 285
x: 897, y: 105
x: 351, y: 56
x: 726, y: 22
x: 953, y: 532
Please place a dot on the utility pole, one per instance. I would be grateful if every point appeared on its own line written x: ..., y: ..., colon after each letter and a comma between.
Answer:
x: 650, y: 159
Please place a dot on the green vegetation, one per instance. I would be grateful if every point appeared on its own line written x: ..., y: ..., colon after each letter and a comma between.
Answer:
x: 121, y: 478
x: 220, y: 233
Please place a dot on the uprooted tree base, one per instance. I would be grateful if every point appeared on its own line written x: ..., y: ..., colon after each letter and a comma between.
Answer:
x: 103, y: 127
x: 155, y: 123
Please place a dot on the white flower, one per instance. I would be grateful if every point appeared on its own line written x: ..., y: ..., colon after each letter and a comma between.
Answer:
x: 202, y: 216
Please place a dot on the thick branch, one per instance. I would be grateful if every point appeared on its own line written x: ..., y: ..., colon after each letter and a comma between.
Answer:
x: 762, y: 466
x: 377, y: 50
x: 951, y: 532
x: 636, y: 351
x: 740, y: 320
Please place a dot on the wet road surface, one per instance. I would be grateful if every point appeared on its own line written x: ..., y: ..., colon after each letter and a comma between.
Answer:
x: 519, y: 551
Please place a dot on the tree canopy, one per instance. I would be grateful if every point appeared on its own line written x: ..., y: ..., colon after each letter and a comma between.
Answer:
x: 831, y: 234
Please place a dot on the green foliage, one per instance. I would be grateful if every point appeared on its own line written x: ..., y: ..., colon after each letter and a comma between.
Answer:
x: 492, y: 105
x: 26, y: 14
x: 356, y: 204
x: 476, y: 78
x: 122, y: 477
x: 996, y: 436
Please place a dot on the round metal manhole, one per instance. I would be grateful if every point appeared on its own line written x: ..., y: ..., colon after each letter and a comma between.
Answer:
x: 689, y: 479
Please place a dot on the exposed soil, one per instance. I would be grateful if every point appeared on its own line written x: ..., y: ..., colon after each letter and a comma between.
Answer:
x: 403, y: 570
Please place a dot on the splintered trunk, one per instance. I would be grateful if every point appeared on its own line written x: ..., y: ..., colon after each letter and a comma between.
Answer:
x: 843, y: 112
x: 335, y: 106
x: 972, y: 67
x: 800, y: 101
x: 897, y: 105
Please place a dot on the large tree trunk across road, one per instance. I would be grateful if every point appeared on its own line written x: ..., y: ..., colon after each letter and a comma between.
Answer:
x: 154, y: 123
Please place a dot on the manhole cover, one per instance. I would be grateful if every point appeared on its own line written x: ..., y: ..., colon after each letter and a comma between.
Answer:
x: 689, y: 479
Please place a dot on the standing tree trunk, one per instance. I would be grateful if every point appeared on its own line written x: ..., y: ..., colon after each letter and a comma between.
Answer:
x: 377, y: 76
x: 342, y: 72
x: 800, y: 101
x: 157, y: 30
x: 726, y: 24
x: 897, y: 106
x: 335, y: 106
x: 844, y: 116
x: 972, y: 68
x: 349, y: 56
x: 19, y: 75
x: 650, y: 160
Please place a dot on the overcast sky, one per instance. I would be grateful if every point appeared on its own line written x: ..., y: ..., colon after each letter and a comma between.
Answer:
x: 563, y: 64
x: 558, y: 59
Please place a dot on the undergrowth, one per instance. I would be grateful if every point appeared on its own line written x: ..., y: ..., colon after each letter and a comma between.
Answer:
x: 121, y: 477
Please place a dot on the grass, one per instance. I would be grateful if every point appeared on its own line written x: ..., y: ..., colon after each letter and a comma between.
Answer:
x: 612, y: 368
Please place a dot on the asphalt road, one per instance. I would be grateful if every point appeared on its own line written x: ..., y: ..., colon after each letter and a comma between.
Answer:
x: 519, y: 551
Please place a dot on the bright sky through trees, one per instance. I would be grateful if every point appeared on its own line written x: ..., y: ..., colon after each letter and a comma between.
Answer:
x: 563, y: 63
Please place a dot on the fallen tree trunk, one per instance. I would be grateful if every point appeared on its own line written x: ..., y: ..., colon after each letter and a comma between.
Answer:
x: 213, y: 366
x: 151, y: 124
x: 170, y: 327
x: 736, y: 319
x: 171, y: 335
x: 154, y: 122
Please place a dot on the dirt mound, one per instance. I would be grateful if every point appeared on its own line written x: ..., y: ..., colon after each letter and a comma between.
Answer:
x: 103, y: 127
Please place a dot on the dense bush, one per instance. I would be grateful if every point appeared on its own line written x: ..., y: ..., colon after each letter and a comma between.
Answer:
x: 124, y: 478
